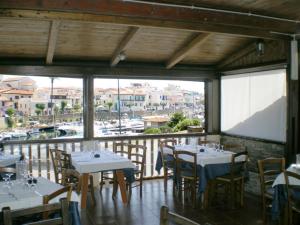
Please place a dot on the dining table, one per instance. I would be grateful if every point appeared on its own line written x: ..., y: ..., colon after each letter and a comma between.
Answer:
x: 88, y: 162
x: 211, y: 162
x: 18, y: 194
x: 279, y: 191
x: 8, y: 160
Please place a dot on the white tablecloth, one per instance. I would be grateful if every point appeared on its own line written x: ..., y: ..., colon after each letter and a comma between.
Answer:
x: 6, y: 160
x: 209, y: 156
x: 20, y: 196
x: 281, y: 180
x: 85, y: 162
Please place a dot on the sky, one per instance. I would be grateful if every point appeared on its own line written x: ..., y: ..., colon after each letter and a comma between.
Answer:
x: 112, y: 83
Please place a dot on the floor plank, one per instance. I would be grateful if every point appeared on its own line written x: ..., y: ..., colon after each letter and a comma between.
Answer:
x: 146, y: 210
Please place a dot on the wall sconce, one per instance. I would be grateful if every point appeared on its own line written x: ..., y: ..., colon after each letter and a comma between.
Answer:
x: 260, y: 47
x: 122, y: 56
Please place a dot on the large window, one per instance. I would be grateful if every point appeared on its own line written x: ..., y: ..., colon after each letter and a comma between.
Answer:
x: 254, y: 105
x: 132, y: 107
x: 35, y: 107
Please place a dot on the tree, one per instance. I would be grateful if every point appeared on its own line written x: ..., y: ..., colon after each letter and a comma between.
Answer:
x: 183, y: 124
x: 109, y: 105
x: 76, y: 108
x: 175, y: 119
x: 38, y: 112
x: 56, y: 110
x: 10, y: 112
x: 10, y: 120
x: 40, y: 107
x: 63, y: 105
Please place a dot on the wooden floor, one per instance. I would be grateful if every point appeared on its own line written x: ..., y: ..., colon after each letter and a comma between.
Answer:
x: 145, y: 211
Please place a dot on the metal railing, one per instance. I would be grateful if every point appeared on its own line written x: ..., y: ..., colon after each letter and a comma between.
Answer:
x: 37, y: 152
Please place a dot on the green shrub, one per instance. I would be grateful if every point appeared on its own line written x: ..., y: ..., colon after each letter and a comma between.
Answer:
x: 152, y: 131
x: 175, y: 119
x: 166, y: 129
x: 182, y: 125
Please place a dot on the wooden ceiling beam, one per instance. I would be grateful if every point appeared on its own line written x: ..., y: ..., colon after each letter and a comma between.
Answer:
x: 134, y: 14
x: 181, y: 53
x: 52, y: 39
x: 124, y: 44
x: 245, y: 50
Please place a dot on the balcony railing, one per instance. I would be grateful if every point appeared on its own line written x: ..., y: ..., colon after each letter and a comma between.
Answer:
x: 38, y: 155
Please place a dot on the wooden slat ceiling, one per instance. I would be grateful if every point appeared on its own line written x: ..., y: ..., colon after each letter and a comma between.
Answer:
x: 24, y: 38
x: 279, y: 8
x: 215, y: 49
x: 83, y: 40
x: 144, y: 33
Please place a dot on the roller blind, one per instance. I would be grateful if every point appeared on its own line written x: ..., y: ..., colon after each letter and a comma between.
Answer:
x: 254, y: 105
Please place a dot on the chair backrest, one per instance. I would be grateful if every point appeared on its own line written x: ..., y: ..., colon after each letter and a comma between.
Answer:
x: 7, y: 170
x: 60, y: 160
x: 186, y: 163
x: 71, y: 177
x: 137, y: 155
x: 121, y: 148
x: 168, y: 159
x: 9, y: 216
x: 292, y: 181
x: 166, y: 216
x: 269, y: 169
x: 238, y: 163
x: 67, y: 189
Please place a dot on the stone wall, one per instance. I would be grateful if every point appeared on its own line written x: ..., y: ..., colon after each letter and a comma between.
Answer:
x: 257, y: 150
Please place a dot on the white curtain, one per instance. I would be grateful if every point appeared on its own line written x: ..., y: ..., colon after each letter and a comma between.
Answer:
x: 254, y: 105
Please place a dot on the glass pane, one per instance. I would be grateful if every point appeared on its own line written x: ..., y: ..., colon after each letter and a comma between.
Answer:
x: 34, y: 108
x: 147, y: 106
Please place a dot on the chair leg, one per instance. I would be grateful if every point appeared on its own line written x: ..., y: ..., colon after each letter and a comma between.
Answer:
x: 92, y: 190
x: 101, y: 182
x: 141, y: 186
x: 165, y: 179
x: 242, y: 192
x: 129, y: 192
x: 115, y: 186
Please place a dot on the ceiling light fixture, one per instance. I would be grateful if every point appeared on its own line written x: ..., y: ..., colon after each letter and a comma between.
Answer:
x: 122, y: 56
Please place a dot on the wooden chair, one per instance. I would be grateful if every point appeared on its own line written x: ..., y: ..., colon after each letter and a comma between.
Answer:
x: 7, y: 170
x: 120, y: 149
x: 9, y: 216
x: 186, y: 173
x: 234, y: 180
x: 66, y: 175
x: 293, y: 192
x: 166, y: 216
x: 268, y: 169
x: 60, y: 160
x: 168, y: 160
x: 66, y: 189
x: 137, y: 154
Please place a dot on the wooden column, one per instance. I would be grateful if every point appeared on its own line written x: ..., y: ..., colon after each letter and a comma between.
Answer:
x: 88, y: 106
x: 292, y: 147
x: 212, y: 105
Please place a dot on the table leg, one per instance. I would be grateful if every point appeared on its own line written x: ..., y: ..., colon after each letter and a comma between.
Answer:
x: 84, y: 189
x: 122, y: 184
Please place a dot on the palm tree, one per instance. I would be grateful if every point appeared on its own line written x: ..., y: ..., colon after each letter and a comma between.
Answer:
x: 109, y: 104
x: 10, y: 121
x: 63, y: 105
